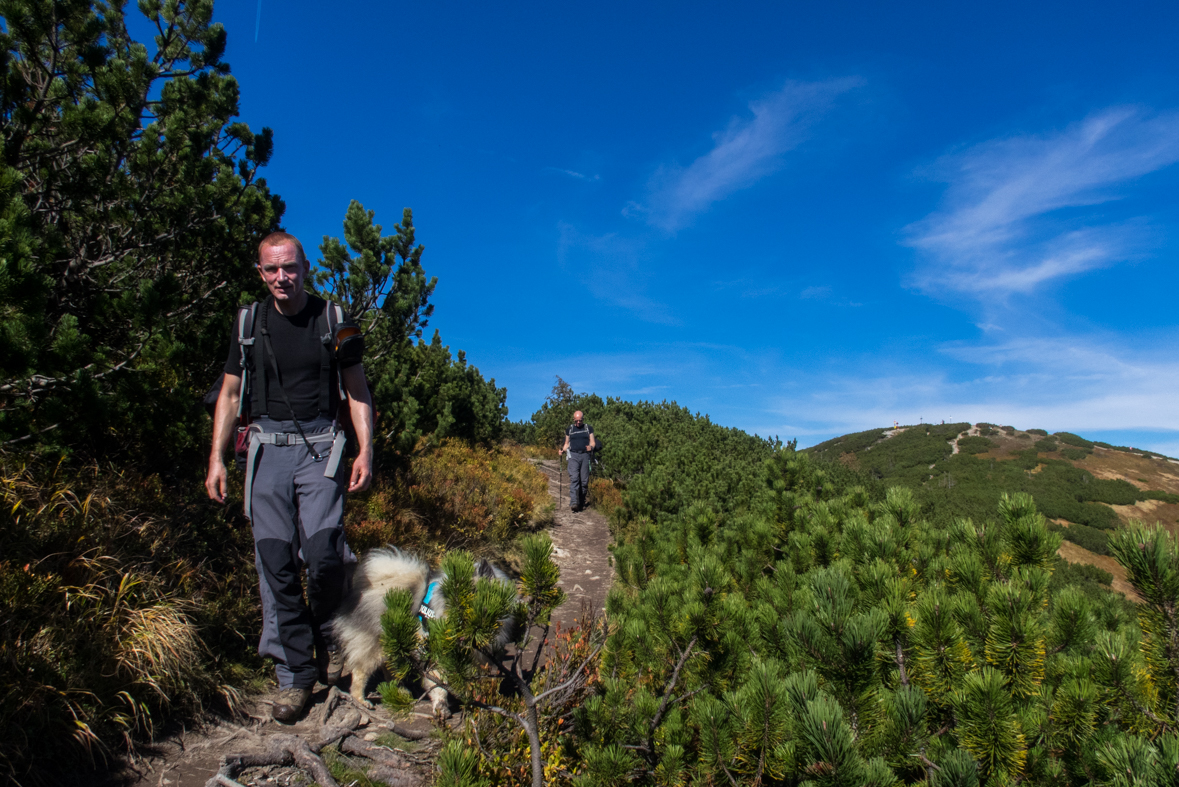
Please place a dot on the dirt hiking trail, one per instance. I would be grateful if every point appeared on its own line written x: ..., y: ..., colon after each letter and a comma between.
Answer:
x: 191, y: 757
x: 581, y: 542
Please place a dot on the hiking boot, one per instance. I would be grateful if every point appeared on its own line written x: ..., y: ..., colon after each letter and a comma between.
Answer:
x: 289, y: 704
x: 331, y: 667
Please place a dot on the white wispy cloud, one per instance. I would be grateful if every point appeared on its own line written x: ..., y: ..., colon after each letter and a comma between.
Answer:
x: 815, y: 293
x: 1079, y: 384
x: 572, y: 173
x: 1003, y: 227
x: 743, y: 153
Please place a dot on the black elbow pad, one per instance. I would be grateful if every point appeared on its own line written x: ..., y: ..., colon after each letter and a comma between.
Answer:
x: 348, y: 343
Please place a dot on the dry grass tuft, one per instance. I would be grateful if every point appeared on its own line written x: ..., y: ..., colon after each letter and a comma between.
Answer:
x: 111, y: 586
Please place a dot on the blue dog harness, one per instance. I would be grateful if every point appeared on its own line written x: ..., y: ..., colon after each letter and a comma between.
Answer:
x: 424, y: 610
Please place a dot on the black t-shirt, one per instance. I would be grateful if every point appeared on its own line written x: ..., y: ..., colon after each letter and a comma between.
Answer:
x: 579, y: 437
x: 298, y: 350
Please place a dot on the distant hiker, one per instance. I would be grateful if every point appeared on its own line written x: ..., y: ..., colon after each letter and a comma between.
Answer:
x: 292, y: 360
x: 578, y: 449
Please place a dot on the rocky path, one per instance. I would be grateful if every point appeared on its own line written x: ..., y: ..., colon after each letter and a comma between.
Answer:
x: 191, y: 757
x: 971, y: 432
x: 581, y: 541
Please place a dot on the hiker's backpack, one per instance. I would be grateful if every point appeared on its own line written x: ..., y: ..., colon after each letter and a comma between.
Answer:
x: 341, y: 339
x: 597, y: 452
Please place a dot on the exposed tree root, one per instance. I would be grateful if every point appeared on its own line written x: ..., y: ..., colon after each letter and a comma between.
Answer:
x: 287, y: 749
x: 405, y: 732
x: 378, y: 754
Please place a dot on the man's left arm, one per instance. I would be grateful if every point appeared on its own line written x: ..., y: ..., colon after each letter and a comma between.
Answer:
x: 360, y: 406
x: 592, y: 443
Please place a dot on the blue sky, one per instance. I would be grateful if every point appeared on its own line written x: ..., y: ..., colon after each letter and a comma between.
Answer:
x: 801, y: 219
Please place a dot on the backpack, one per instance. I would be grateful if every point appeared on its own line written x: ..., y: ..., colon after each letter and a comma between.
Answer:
x: 333, y: 330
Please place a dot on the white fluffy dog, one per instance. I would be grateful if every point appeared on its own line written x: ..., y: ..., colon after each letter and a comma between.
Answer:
x: 357, y: 626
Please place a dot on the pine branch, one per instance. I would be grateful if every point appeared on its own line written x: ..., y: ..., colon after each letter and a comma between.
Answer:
x: 900, y: 659
x: 675, y: 676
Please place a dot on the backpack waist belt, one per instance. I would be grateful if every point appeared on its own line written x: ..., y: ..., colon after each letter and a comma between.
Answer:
x: 259, y: 438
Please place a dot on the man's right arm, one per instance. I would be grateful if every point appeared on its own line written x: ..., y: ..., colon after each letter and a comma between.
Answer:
x: 223, y: 420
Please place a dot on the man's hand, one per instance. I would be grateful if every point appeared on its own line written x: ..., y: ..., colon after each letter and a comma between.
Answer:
x: 223, y: 423
x: 362, y: 473
x: 216, y: 480
x: 360, y: 405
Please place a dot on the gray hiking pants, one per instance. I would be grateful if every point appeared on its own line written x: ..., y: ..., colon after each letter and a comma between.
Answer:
x: 297, y: 515
x: 579, y: 467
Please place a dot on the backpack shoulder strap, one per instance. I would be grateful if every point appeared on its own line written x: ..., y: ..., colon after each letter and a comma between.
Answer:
x: 246, y: 315
x: 325, y: 326
x: 338, y: 312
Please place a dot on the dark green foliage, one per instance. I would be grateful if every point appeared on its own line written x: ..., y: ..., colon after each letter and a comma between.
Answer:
x: 1080, y: 573
x: 420, y: 390
x: 424, y: 392
x: 130, y: 210
x: 1046, y: 446
x: 1068, y: 438
x: 1073, y: 454
x: 1040, y: 432
x: 963, y: 485
x: 974, y: 445
x: 825, y: 632
x: 665, y: 457
x: 910, y: 453
x: 1092, y: 539
x: 852, y: 443
x: 383, y: 286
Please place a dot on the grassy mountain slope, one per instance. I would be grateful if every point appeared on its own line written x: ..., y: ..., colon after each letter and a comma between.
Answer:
x: 1085, y: 488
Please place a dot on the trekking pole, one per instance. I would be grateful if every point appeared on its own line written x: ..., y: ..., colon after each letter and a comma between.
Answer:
x: 560, y: 489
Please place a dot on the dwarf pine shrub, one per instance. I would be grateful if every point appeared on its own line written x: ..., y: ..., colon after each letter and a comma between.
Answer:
x: 974, y: 444
x: 821, y: 635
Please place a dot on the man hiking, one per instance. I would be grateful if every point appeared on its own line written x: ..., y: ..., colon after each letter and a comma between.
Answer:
x: 578, y: 449
x: 297, y: 376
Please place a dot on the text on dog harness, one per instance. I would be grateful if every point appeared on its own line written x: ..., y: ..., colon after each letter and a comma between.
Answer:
x: 424, y: 610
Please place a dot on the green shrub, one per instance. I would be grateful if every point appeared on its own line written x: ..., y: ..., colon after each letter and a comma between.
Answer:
x: 1154, y: 494
x: 974, y: 445
x: 1068, y: 438
x: 1040, y: 432
x: 1092, y: 539
x: 853, y: 443
x: 1073, y: 454
x: 1078, y: 573
x: 1046, y: 446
